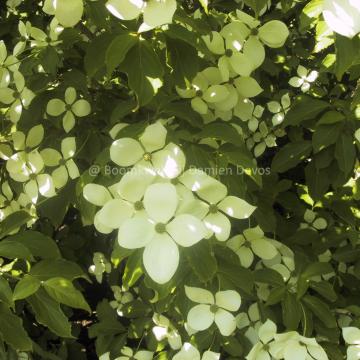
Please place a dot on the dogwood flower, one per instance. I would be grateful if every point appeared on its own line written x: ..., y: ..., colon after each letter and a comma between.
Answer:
x: 164, y: 330
x: 156, y: 229
x: 128, y: 354
x: 155, y: 12
x: 279, y: 109
x: 101, y: 265
x: 8, y: 204
x: 25, y: 31
x: 342, y: 16
x: 40, y: 39
x: 250, y: 321
x: 121, y: 296
x: 67, y: 12
x: 19, y: 98
x: 66, y: 165
x: 8, y: 64
x: 304, y: 78
x: 150, y: 152
x: 311, y: 219
x: 266, y: 333
x: 213, y: 309
x: 351, y: 336
x: 70, y: 108
x: 190, y: 352
x: 219, y: 204
x: 251, y: 242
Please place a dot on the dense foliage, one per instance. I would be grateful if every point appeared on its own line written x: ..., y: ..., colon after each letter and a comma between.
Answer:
x: 180, y: 179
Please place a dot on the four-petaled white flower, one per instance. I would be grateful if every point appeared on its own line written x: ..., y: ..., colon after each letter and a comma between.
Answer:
x: 351, y: 336
x: 129, y: 354
x: 71, y: 107
x: 213, y: 309
x: 304, y: 79
x: 155, y: 12
x: 279, y: 109
x: 190, y: 352
x: 8, y: 204
x: 163, y: 329
x: 160, y: 230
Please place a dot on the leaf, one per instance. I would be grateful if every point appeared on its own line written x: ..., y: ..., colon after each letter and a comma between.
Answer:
x: 317, y: 180
x: 183, y: 110
x: 63, y: 291
x: 268, y: 276
x: 331, y: 117
x: 47, y: 269
x: 39, y: 244
x: 320, y: 310
x: 345, y: 153
x: 133, y: 269
x: 48, y: 313
x: 220, y: 131
x: 325, y: 135
x: 13, y: 221
x: 12, y: 330
x: 204, y: 4
x: 117, y: 50
x: 12, y: 250
x: 305, y: 108
x: 291, y: 311
x: 324, y: 289
x: 313, y: 269
x: 347, y: 53
x: 291, y: 155
x: 27, y: 286
x: 6, y: 295
x: 207, y: 267
x: 144, y: 71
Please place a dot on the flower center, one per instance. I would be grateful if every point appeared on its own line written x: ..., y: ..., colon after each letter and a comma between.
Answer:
x: 199, y: 93
x: 174, y: 181
x: 147, y: 157
x: 68, y: 107
x: 6, y: 203
x: 247, y: 244
x: 254, y: 31
x: 266, y: 347
x: 213, y: 209
x: 16, y: 94
x: 214, y: 308
x: 138, y: 205
x: 228, y: 53
x: 160, y: 228
x: 32, y: 176
x: 62, y: 162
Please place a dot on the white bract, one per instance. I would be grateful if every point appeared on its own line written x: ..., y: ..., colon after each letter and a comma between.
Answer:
x: 40, y: 39
x: 313, y: 221
x: 279, y: 109
x: 70, y: 108
x: 122, y: 297
x: 129, y: 354
x: 342, y: 16
x: 252, y: 241
x: 190, y: 352
x: 8, y: 204
x: 163, y: 329
x: 213, y: 309
x: 250, y: 321
x: 101, y: 265
x: 218, y: 203
x: 159, y: 230
x: 150, y: 153
x: 67, y: 12
x: 155, y: 12
x: 8, y: 64
x: 351, y: 336
x: 304, y: 79
x: 66, y: 165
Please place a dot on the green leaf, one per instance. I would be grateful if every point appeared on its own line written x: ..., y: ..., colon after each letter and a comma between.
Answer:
x: 305, y: 108
x: 27, y: 286
x: 313, y: 269
x: 347, y: 53
x: 39, y: 244
x: 331, y: 117
x: 291, y: 155
x: 48, y: 313
x: 220, y: 131
x: 317, y: 180
x: 6, y: 295
x: 144, y: 71
x: 207, y: 267
x: 325, y: 135
x: 268, y: 276
x: 204, y: 4
x: 13, y: 221
x: 12, y: 330
x: 47, y: 269
x: 320, y: 310
x: 133, y: 269
x: 324, y: 289
x: 12, y: 250
x: 291, y: 311
x: 117, y: 50
x: 345, y: 153
x: 63, y: 291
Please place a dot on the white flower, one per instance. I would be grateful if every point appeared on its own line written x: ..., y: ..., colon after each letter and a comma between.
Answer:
x: 66, y: 165
x: 71, y: 107
x: 213, y: 309
x: 266, y: 334
x: 25, y: 31
x: 351, y: 336
x: 317, y: 223
x: 156, y: 229
x: 67, y: 12
x: 219, y: 204
x: 155, y: 12
x: 252, y: 242
x: 189, y: 352
x: 7, y: 64
x: 164, y: 330
x: 342, y: 16
x: 150, y: 152
x: 101, y: 265
x: 304, y: 78
x: 128, y: 354
x: 7, y: 203
x: 279, y: 109
x: 251, y: 321
x: 40, y: 39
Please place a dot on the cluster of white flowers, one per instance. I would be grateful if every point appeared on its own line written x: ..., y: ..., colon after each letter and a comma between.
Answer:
x: 158, y: 206
x: 287, y: 346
